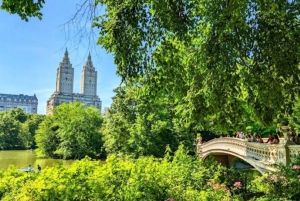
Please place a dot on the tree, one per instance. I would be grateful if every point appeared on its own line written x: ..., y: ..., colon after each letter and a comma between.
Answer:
x: 226, y: 55
x: 140, y: 126
x: 10, y: 130
x: 72, y: 132
x: 17, y: 114
x: 24, y: 8
x: 17, y: 129
x: 33, y: 121
x: 295, y: 118
x: 46, y: 138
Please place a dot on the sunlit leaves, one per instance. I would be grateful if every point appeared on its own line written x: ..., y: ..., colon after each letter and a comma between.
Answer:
x: 73, y: 131
x: 146, y: 178
x: 17, y: 129
x: 24, y: 8
x: 140, y: 126
x: 212, y: 57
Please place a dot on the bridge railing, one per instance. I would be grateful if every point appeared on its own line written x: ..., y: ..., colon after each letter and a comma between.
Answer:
x: 293, y: 150
x: 266, y: 153
x: 262, y: 152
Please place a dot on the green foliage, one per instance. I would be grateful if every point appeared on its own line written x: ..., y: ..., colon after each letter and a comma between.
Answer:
x: 46, y: 138
x: 10, y: 130
x: 295, y: 117
x: 283, y: 184
x: 33, y: 121
x: 17, y: 129
x: 24, y: 8
x: 263, y: 131
x: 18, y: 115
x: 178, y: 176
x: 72, y: 131
x: 216, y: 59
x: 181, y: 178
x: 140, y: 126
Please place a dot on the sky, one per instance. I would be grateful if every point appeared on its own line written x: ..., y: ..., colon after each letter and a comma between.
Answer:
x: 30, y: 53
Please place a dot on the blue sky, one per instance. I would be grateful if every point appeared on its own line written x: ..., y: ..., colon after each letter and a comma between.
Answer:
x: 30, y: 53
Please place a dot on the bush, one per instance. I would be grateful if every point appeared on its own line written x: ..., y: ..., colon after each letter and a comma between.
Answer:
x: 179, y: 177
x: 283, y: 184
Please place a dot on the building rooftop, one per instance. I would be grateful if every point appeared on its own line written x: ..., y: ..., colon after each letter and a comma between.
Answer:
x: 20, y: 97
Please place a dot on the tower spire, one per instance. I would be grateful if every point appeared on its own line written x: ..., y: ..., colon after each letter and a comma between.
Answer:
x: 89, y: 63
x: 65, y: 76
x: 66, y: 59
x: 89, y: 78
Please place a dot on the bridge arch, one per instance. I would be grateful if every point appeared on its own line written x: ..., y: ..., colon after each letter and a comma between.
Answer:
x: 228, y: 155
x: 229, y: 159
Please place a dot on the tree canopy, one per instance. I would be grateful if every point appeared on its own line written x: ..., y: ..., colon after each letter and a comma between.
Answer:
x: 71, y: 132
x: 17, y: 129
x: 24, y: 8
x: 140, y: 126
x: 221, y: 60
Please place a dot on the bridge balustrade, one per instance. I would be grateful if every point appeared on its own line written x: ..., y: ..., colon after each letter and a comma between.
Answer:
x: 262, y: 156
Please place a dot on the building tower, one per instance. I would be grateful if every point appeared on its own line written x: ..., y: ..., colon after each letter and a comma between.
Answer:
x: 65, y: 76
x: 64, y: 86
x: 89, y: 79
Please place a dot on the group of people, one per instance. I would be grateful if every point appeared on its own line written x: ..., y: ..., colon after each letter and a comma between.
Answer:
x: 31, y: 169
x: 273, y: 139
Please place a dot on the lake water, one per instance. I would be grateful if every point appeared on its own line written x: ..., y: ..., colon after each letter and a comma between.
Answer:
x: 23, y: 158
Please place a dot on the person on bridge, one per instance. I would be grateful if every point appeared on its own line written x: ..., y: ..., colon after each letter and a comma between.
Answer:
x: 251, y: 138
x: 275, y: 140
x: 298, y: 139
x: 240, y: 135
x: 270, y: 139
x: 259, y: 139
x: 293, y: 137
x: 237, y: 134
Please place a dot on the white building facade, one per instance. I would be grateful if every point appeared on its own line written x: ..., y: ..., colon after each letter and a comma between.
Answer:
x: 65, y: 83
x: 29, y: 104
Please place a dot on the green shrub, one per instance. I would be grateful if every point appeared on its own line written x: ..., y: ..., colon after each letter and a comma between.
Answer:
x: 283, y: 184
x: 179, y: 177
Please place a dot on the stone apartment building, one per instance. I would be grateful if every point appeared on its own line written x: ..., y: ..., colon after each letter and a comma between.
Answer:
x: 29, y: 104
x: 65, y: 83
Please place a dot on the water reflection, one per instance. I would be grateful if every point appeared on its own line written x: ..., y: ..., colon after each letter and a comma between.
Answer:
x: 23, y: 158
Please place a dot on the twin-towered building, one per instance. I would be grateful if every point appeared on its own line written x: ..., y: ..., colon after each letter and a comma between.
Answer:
x: 65, y: 82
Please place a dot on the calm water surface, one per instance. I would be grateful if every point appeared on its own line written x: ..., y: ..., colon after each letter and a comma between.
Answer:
x: 22, y: 158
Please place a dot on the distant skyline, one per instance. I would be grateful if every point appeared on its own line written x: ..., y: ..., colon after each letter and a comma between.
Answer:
x: 30, y: 53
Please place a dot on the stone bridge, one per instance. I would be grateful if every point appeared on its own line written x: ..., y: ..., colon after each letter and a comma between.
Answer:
x: 264, y: 157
